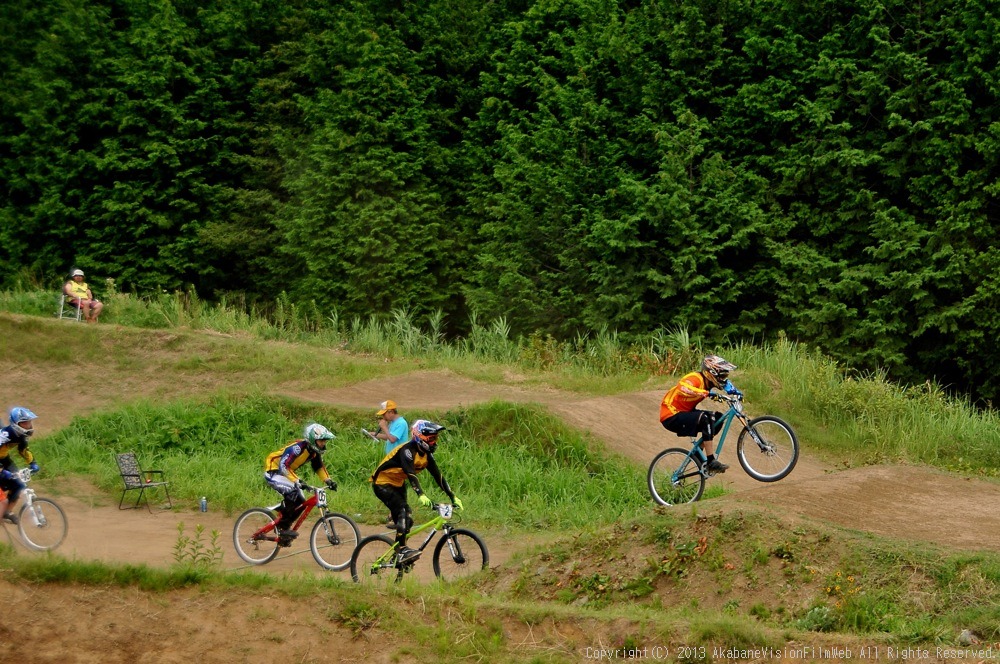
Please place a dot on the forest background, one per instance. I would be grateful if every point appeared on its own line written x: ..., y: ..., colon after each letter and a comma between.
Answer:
x: 746, y: 169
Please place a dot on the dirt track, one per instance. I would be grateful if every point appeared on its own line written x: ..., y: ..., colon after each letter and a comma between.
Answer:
x: 904, y: 502
x: 109, y: 625
x: 909, y: 503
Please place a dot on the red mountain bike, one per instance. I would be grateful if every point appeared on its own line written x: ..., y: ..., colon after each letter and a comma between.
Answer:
x: 331, y: 541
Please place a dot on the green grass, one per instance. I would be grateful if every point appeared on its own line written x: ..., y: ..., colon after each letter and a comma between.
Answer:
x: 854, y: 419
x: 517, y: 467
x: 585, y: 363
x: 808, y: 578
x: 513, y: 466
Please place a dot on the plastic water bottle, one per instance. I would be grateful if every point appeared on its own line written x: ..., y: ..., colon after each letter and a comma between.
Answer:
x: 204, y: 504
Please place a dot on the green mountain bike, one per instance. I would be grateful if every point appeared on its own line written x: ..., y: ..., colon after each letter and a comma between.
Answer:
x: 766, y: 448
x: 458, y: 553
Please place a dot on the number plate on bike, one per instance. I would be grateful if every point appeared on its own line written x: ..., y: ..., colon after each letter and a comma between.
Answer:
x: 445, y: 511
x: 321, y: 498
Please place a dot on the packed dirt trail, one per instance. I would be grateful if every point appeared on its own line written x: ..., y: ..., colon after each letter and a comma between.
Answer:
x: 909, y: 503
x: 904, y: 502
x: 110, y: 624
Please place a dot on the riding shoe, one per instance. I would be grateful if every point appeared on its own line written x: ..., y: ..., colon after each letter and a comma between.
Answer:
x: 717, y: 466
x: 10, y: 517
x: 406, y: 554
x: 287, y: 533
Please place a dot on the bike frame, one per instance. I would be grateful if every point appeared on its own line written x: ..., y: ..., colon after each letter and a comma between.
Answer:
x: 440, y: 522
x: 318, y: 499
x: 27, y: 494
x: 29, y: 511
x: 735, y: 411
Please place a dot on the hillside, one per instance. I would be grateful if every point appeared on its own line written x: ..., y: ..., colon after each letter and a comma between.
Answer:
x: 903, y: 503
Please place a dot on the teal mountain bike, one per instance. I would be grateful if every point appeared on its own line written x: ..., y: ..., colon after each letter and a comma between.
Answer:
x: 766, y: 448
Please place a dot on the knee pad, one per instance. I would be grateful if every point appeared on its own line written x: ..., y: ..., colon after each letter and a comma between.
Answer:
x: 706, y: 424
x: 404, y: 523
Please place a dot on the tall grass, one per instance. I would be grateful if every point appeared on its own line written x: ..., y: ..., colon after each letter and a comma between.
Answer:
x: 856, y: 418
x: 515, y: 466
x: 399, y: 335
x: 865, y: 418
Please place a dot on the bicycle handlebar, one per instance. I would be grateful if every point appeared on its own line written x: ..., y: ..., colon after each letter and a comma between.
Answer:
x: 730, y: 398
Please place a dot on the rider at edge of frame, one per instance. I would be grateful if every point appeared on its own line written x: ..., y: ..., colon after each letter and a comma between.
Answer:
x: 15, y: 434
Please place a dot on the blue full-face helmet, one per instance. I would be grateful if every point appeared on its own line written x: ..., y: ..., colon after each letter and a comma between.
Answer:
x: 18, y: 415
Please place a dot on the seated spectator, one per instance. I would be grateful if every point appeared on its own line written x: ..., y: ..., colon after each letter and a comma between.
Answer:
x: 79, y: 295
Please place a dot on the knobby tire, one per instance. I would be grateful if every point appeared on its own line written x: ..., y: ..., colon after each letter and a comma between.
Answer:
x: 685, y: 489
x: 470, y: 557
x: 50, y: 529
x: 778, y: 459
x: 333, y: 540
x: 255, y: 552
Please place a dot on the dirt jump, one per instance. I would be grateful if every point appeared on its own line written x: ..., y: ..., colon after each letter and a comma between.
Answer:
x: 904, y: 502
x: 108, y: 625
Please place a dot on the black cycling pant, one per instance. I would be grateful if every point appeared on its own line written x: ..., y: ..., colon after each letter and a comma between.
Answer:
x: 394, y: 498
x: 693, y: 423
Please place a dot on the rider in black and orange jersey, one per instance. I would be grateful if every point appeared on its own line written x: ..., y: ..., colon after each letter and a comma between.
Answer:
x: 402, y: 464
x: 279, y: 473
x: 678, y: 412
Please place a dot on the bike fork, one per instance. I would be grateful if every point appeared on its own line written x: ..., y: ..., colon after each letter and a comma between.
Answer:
x: 331, y: 531
x: 455, y: 548
x: 36, y: 514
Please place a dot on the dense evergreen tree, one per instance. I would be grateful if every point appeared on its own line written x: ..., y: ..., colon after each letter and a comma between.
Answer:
x: 825, y: 169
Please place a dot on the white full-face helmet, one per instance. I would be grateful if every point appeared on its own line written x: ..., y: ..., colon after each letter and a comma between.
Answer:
x: 717, y: 369
x: 316, y: 436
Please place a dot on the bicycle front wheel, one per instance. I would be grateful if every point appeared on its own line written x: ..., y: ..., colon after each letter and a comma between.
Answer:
x: 373, y: 561
x: 460, y: 553
x: 42, y: 525
x: 253, y: 536
x: 767, y: 449
x: 675, y: 478
x: 332, y: 541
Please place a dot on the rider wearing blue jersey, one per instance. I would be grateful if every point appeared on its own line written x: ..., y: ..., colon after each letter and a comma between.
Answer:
x: 393, y: 429
x: 15, y: 436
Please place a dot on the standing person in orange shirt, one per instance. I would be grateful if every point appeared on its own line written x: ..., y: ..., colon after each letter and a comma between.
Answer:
x: 678, y: 412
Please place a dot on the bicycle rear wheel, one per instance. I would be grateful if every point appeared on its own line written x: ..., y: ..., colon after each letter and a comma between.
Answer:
x: 332, y: 541
x: 460, y: 553
x: 42, y: 525
x: 255, y: 542
x: 373, y: 563
x: 675, y: 478
x: 767, y: 449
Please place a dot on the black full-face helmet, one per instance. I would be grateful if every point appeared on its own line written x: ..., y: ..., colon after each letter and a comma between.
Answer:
x: 426, y: 433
